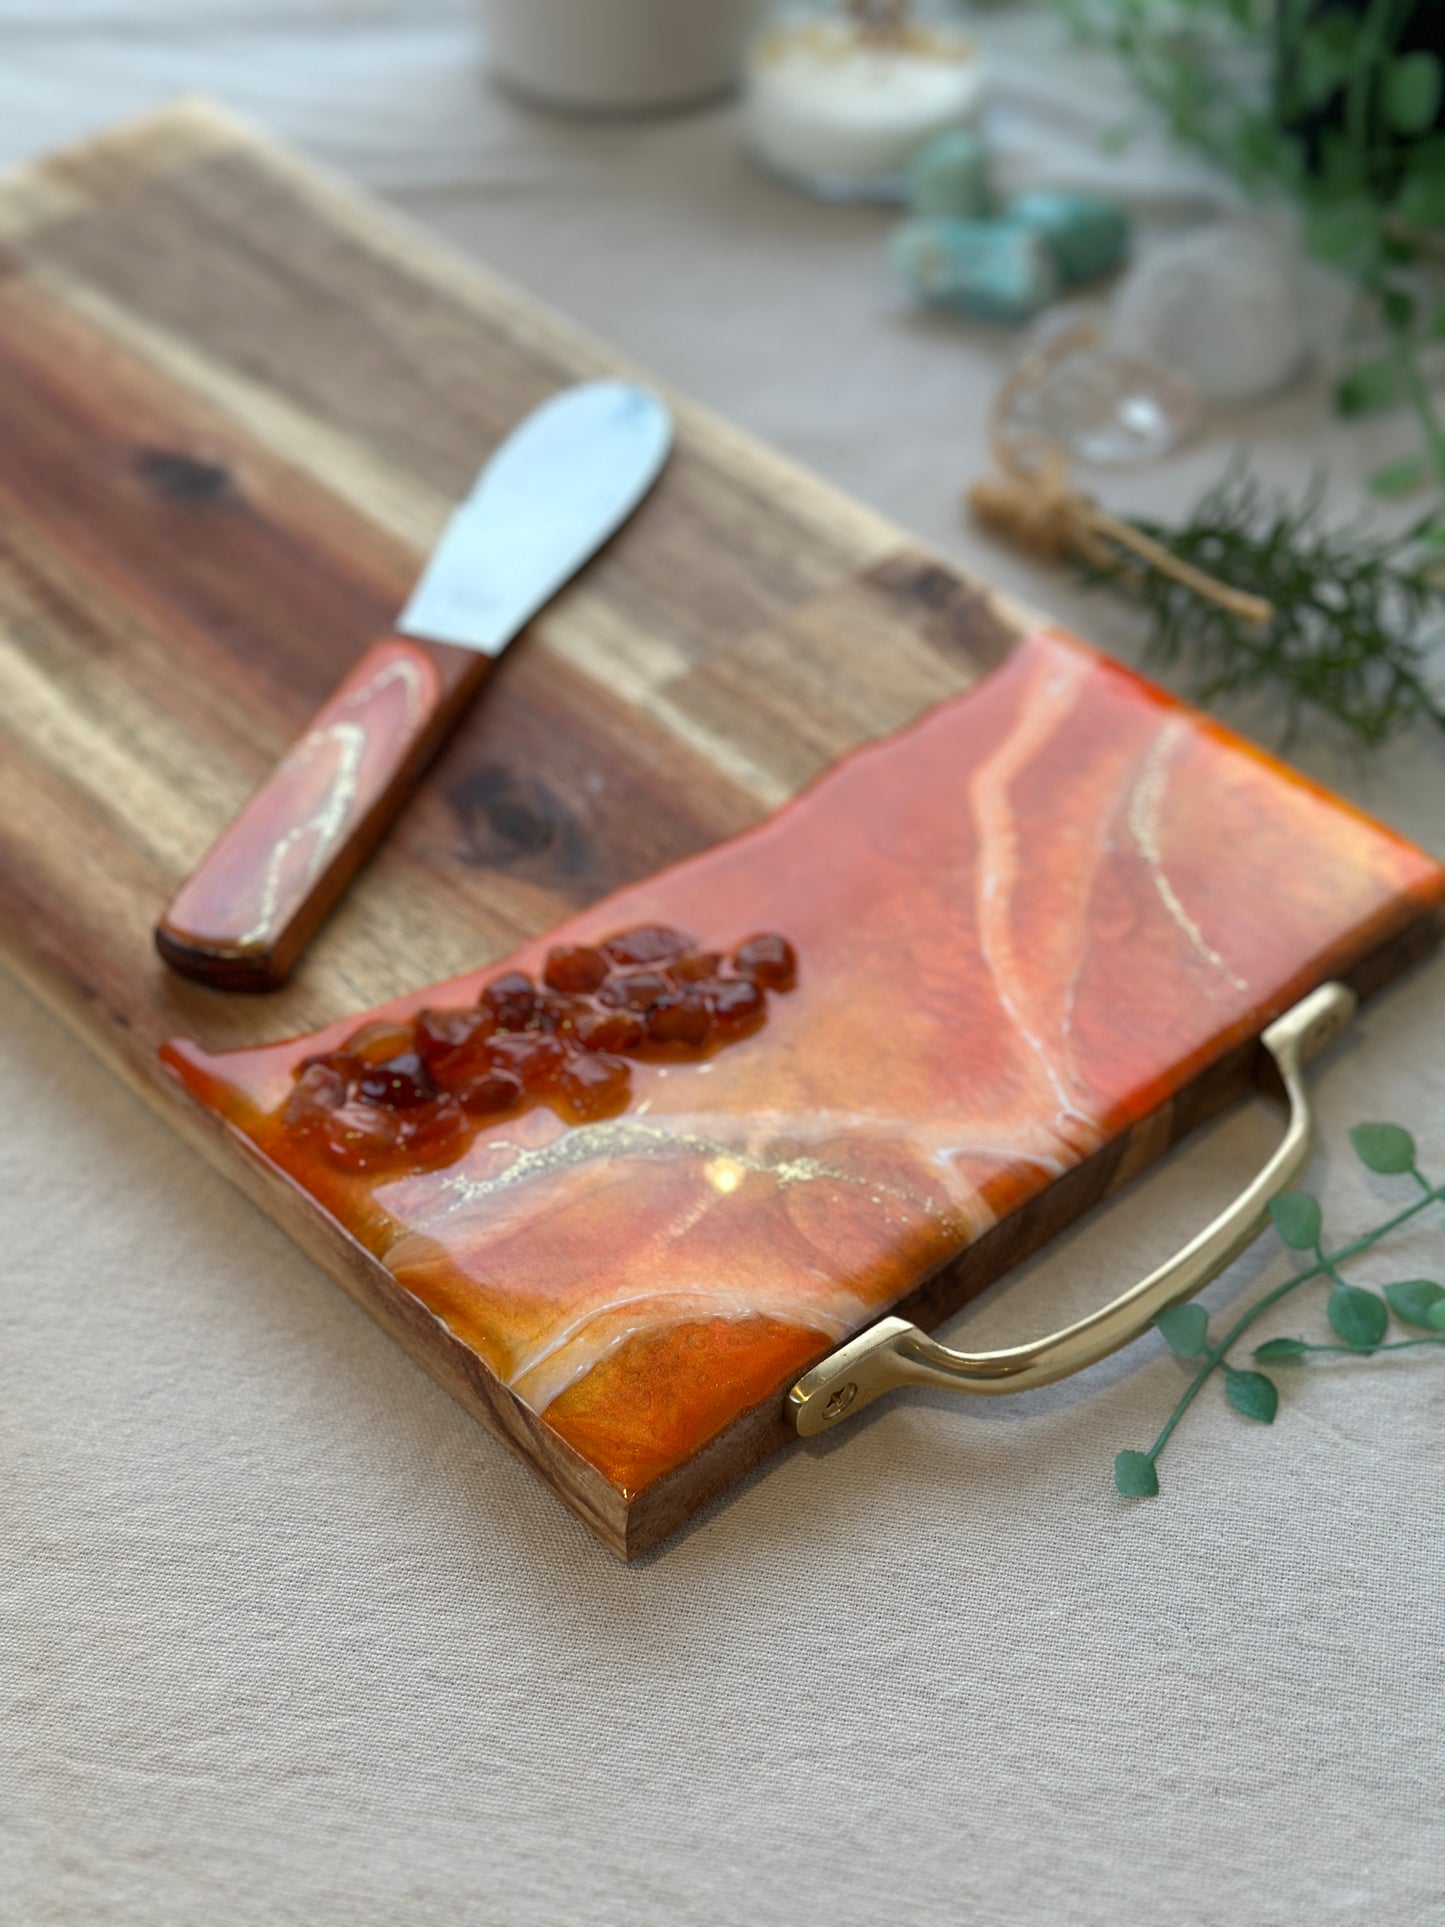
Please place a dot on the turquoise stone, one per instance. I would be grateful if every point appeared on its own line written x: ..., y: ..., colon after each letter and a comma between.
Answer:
x: 992, y: 270
x: 950, y: 177
x: 1089, y: 235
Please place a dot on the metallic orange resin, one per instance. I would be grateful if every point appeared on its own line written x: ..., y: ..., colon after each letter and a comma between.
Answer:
x: 1021, y: 924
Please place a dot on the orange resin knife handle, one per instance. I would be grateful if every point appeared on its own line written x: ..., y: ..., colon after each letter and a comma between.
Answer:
x: 248, y: 911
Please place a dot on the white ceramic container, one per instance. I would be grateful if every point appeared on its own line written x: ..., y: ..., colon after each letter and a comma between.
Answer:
x: 840, y: 113
x: 616, y: 56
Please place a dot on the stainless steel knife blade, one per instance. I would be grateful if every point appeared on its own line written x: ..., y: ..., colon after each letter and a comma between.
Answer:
x: 548, y: 498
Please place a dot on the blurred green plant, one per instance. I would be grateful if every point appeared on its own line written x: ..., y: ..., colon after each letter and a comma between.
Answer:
x: 1337, y: 106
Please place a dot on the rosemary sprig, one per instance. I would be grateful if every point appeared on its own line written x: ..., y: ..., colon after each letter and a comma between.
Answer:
x: 1352, y: 607
x: 1359, y: 1318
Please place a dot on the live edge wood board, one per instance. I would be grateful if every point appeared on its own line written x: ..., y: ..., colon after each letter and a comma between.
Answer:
x: 237, y: 403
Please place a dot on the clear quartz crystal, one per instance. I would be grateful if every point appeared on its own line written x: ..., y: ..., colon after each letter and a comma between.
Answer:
x: 1108, y: 407
x: 1224, y: 303
x: 837, y: 99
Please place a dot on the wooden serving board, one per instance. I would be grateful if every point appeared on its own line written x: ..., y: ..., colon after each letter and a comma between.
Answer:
x: 238, y: 403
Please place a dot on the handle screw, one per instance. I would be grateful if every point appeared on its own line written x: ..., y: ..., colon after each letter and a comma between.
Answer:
x: 840, y: 1401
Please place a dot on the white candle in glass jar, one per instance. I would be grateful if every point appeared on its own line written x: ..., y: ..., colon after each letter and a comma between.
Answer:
x: 839, y: 111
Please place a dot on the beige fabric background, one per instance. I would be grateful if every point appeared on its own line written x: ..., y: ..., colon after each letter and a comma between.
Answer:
x: 284, y: 1638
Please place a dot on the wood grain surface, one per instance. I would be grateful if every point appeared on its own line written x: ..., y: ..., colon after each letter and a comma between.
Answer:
x: 238, y: 404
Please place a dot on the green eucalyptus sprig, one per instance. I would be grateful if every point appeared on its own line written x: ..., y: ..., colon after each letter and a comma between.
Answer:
x: 1359, y: 1318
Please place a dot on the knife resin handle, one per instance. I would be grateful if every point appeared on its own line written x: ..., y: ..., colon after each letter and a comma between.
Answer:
x: 248, y: 911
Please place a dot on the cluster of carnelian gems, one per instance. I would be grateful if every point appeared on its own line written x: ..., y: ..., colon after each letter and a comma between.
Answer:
x: 412, y: 1094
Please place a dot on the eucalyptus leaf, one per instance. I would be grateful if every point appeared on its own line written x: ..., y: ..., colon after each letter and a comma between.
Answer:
x: 1404, y: 477
x: 1435, y: 1318
x: 1347, y: 232
x: 1281, y: 1348
x: 1343, y: 171
x: 1413, y: 1300
x: 1421, y: 200
x: 1134, y: 1475
x: 1359, y: 1317
x: 1368, y: 386
x: 1412, y: 92
x: 1398, y: 307
x: 1251, y: 1393
x: 1386, y: 1148
x: 1185, y: 1329
x: 1324, y: 59
x: 1426, y: 159
x: 1297, y: 1219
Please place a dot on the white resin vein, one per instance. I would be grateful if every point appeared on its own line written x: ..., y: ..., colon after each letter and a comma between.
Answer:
x: 1053, y: 695
x: 570, y: 1353
x: 1145, y: 810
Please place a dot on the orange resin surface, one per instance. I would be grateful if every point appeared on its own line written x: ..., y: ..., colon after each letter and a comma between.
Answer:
x: 1020, y: 925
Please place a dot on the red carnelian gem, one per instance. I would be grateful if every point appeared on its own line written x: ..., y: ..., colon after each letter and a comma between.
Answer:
x: 594, y: 1085
x: 359, y: 1137
x: 575, y: 967
x: 320, y: 1089
x: 401, y: 1084
x: 489, y: 1090
x: 453, y: 1065
x: 683, y: 1018
x: 533, y: 1057
x: 511, y: 999
x: 439, y: 1032
x: 557, y: 1014
x: 375, y: 1043
x: 768, y: 960
x: 460, y: 1068
x: 650, y: 943
x: 436, y: 1134
x: 638, y: 991
x: 735, y: 1003
x: 335, y: 1060
x: 611, y: 1030
x: 695, y: 967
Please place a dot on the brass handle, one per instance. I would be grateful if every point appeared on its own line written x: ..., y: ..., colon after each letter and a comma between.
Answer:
x: 894, y: 1352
